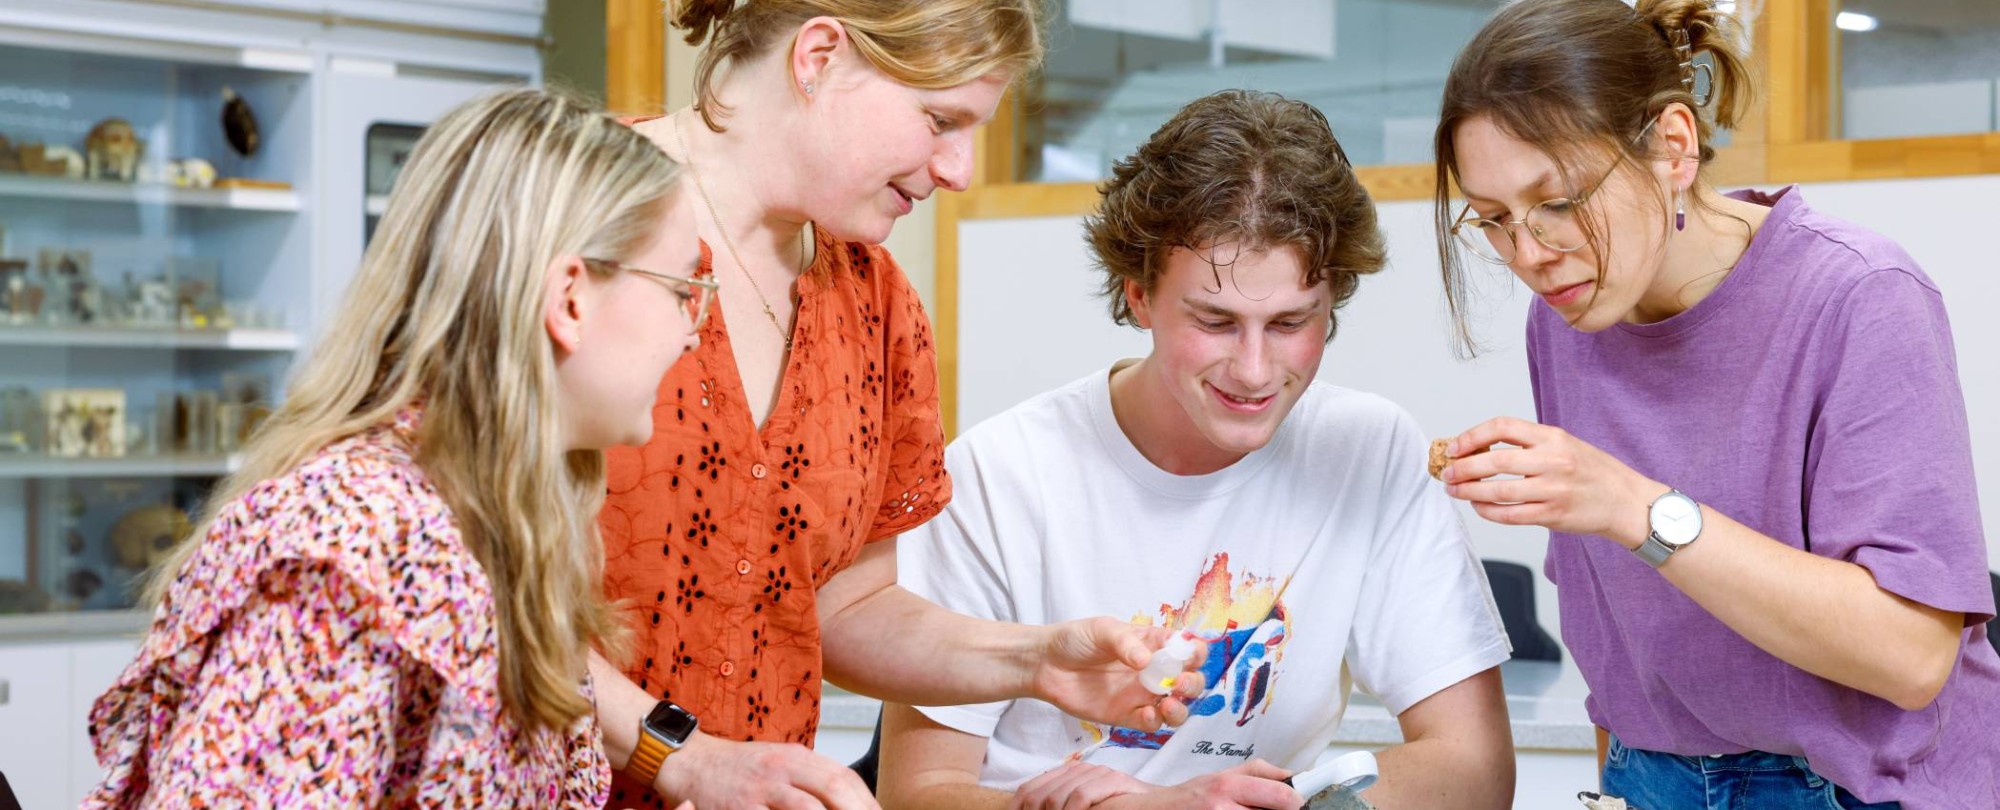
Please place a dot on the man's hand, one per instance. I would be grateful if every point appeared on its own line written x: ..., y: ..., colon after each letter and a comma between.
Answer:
x: 718, y: 774
x: 1075, y: 786
x: 1253, y: 785
x: 1089, y: 668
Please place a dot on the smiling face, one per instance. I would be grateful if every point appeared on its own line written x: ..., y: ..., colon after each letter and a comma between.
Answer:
x: 1234, y: 347
x: 879, y: 145
x: 1503, y: 177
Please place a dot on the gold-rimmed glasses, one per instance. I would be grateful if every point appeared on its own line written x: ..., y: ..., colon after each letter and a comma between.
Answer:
x: 1551, y: 222
x: 696, y: 294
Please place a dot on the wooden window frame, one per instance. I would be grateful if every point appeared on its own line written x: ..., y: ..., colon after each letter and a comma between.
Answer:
x: 1786, y: 138
x: 635, y: 56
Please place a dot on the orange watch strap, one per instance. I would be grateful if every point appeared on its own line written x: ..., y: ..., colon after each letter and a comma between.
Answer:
x: 647, y: 757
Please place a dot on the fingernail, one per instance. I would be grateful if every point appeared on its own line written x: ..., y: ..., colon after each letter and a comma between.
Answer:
x: 1451, y: 489
x: 1445, y: 474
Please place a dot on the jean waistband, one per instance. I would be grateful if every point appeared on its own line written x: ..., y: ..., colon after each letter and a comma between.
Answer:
x: 1750, y: 761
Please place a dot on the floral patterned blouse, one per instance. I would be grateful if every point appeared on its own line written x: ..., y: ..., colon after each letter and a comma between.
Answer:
x: 718, y: 533
x: 332, y: 644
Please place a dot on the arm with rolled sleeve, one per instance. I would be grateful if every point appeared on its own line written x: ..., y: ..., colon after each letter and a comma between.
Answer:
x: 1890, y: 465
x: 1896, y: 560
x: 1428, y: 641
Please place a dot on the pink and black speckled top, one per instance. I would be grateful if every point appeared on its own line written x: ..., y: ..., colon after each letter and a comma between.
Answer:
x: 332, y: 644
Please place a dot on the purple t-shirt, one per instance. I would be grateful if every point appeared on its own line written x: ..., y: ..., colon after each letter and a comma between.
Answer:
x: 1812, y: 396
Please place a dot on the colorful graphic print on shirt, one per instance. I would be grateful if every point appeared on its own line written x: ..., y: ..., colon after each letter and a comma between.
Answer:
x: 1243, y: 620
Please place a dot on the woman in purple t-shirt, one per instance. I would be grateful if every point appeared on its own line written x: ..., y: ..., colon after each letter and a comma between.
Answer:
x: 1754, y: 458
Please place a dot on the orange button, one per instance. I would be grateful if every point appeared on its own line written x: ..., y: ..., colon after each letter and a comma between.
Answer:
x: 743, y: 566
x: 758, y: 471
x: 728, y: 668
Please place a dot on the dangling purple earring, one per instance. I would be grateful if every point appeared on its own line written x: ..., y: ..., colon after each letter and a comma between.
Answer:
x: 1680, y: 213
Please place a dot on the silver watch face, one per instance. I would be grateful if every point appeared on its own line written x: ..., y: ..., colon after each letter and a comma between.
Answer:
x: 1676, y: 519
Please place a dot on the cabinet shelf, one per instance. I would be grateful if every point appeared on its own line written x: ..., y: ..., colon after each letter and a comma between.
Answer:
x: 41, y: 466
x: 65, y: 626
x: 122, y: 337
x: 60, y: 188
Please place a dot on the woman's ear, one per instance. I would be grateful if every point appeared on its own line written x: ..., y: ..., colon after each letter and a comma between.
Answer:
x: 1680, y: 138
x: 819, y: 44
x: 564, y: 297
x: 1141, y: 306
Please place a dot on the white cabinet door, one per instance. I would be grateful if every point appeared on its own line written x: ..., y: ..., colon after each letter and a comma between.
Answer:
x: 35, y: 723
x: 353, y: 102
x: 93, y: 666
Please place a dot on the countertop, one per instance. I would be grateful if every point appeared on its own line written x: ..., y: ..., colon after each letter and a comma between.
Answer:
x: 1544, y: 705
x: 1544, y: 698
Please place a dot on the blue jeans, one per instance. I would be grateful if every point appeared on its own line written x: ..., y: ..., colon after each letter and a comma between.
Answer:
x: 1650, y: 780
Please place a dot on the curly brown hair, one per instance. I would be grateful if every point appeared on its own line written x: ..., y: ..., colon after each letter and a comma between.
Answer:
x: 1253, y: 167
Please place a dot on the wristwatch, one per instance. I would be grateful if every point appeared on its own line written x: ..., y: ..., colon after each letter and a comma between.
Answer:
x: 666, y: 728
x: 1674, y: 521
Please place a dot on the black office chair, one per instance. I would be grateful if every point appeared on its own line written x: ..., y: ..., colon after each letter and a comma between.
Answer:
x: 1992, y: 637
x: 871, y: 762
x: 1514, y: 591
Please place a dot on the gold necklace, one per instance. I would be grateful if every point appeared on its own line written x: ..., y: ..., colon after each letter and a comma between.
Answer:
x: 688, y: 157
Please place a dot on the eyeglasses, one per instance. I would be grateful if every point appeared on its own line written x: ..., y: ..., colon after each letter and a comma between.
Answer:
x: 695, y: 293
x: 1553, y: 222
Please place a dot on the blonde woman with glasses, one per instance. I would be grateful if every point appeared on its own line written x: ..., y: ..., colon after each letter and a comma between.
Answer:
x: 754, y: 537
x: 1753, y: 456
x: 391, y: 603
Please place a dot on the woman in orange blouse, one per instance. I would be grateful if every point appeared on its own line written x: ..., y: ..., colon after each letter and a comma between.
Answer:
x: 752, y: 538
x: 386, y: 607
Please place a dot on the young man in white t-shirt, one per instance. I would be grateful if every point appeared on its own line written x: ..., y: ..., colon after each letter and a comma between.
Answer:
x: 1212, y: 486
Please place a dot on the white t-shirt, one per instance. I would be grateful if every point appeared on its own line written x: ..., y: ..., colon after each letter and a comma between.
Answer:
x: 1056, y: 516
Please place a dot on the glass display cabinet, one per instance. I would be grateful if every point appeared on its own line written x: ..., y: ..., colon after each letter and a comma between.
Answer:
x: 185, y: 191
x: 154, y: 242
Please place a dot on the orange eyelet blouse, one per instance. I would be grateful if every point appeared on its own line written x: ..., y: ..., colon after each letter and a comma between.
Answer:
x: 717, y: 534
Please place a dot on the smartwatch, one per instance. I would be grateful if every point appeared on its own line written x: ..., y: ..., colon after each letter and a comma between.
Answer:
x: 666, y: 728
x: 1674, y: 521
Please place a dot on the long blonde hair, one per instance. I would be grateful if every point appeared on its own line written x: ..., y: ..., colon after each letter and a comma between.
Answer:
x: 446, y: 311
x: 929, y: 44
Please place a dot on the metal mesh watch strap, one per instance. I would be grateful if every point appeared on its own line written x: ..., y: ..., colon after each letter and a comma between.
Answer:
x: 1653, y: 551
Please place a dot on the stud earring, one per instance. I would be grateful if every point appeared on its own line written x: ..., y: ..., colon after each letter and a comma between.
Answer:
x: 806, y: 86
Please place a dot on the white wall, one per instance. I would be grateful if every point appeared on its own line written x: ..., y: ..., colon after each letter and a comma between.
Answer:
x: 1029, y: 321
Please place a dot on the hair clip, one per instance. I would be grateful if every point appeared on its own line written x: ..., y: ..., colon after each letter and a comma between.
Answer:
x: 1691, y: 70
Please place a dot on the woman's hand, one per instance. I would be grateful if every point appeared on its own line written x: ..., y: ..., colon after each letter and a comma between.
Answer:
x: 1565, y: 484
x: 1089, y: 668
x: 712, y: 772
x: 1252, y: 785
